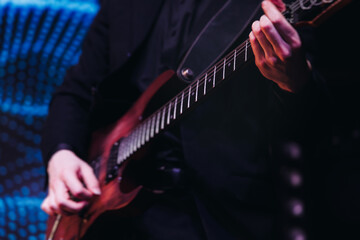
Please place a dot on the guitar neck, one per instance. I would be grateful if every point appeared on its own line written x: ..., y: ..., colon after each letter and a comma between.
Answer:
x: 184, y: 101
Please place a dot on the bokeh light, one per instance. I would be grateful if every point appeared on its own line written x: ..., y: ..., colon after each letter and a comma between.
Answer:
x: 39, y: 41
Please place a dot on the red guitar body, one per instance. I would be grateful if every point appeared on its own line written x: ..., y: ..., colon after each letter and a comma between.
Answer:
x: 119, y: 192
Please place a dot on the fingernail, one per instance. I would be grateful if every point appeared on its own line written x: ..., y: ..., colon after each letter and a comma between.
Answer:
x: 96, y: 191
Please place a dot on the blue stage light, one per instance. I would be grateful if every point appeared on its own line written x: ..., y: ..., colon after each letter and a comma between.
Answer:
x: 39, y: 40
x: 43, y: 33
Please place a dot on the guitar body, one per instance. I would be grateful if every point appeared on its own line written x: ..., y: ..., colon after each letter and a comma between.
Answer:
x: 120, y: 191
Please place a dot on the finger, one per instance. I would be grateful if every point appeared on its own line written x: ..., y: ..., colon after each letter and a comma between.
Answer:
x: 287, y: 32
x: 255, y: 45
x: 63, y: 202
x: 257, y: 50
x: 45, y: 205
x: 76, y: 187
x: 281, y: 48
x: 264, y: 43
x: 260, y: 36
x: 90, y: 180
x: 54, y: 208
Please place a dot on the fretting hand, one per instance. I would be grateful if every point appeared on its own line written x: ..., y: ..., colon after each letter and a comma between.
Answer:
x: 278, y: 50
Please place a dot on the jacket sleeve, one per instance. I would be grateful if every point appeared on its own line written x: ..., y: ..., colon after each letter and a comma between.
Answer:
x: 68, y: 119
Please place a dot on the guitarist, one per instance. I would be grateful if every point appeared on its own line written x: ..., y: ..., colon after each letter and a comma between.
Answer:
x: 222, y: 148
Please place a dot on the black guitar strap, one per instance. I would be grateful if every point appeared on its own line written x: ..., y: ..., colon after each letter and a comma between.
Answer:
x: 217, y: 36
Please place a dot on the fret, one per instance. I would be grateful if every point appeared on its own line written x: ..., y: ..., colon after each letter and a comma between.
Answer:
x: 134, y: 142
x: 138, y: 137
x: 205, y: 84
x: 234, y: 63
x: 214, y: 76
x: 157, y: 122
x: 147, y: 130
x: 224, y: 65
x: 122, y: 149
x: 182, y: 102
x: 242, y: 54
x: 169, y: 114
x: 176, y: 102
x: 128, y: 146
x: 143, y: 133
x: 122, y: 155
x: 125, y: 147
x: 132, y: 145
x: 163, y: 118
x: 189, y: 97
x: 152, y: 128
x: 197, y: 90
x: 121, y: 152
x: 246, y: 49
x: 149, y: 127
x: 120, y: 158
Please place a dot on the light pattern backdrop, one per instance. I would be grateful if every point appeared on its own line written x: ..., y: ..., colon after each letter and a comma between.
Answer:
x: 39, y: 40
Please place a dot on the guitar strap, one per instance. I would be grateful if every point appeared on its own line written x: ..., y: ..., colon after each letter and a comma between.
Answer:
x: 216, y: 37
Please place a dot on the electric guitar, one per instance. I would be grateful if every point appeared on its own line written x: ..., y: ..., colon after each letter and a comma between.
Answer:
x: 113, y: 150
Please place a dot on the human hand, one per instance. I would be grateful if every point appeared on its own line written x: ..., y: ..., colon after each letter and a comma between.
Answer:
x: 70, y: 178
x: 278, y: 50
